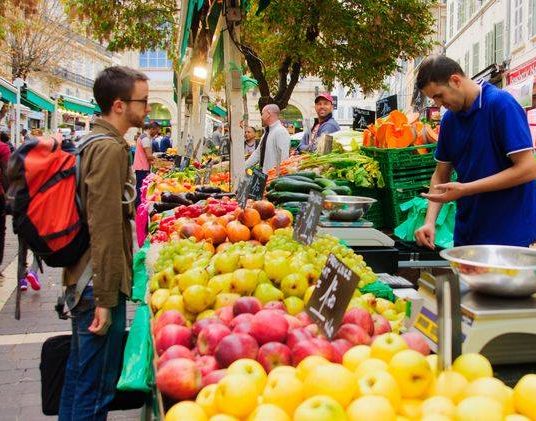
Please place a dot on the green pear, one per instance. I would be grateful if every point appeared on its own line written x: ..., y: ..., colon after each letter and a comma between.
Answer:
x: 168, y: 276
x: 294, y: 285
x: 194, y: 276
x: 266, y: 292
x: 220, y: 283
x: 182, y: 262
x: 226, y: 262
x: 197, y: 298
x: 244, y: 281
x: 225, y: 299
x: 308, y: 293
x: 252, y: 260
x: 294, y: 305
x: 276, y: 267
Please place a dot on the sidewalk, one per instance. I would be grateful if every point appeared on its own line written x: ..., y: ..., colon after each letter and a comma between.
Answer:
x: 21, y: 340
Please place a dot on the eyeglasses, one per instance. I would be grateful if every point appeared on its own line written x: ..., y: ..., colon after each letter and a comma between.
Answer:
x: 143, y: 101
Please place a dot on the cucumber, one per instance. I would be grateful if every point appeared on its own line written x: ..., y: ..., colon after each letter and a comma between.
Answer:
x: 342, y: 182
x: 298, y: 178
x: 329, y: 192
x: 283, y: 197
x: 290, y: 185
x: 272, y: 195
x: 291, y: 204
x: 309, y: 174
x: 342, y: 190
x: 325, y: 182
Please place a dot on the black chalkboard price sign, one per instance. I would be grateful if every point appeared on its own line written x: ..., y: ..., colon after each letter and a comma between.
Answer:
x: 208, y: 173
x: 332, y: 295
x: 242, y: 192
x: 257, y: 184
x: 185, y: 162
x: 307, y: 220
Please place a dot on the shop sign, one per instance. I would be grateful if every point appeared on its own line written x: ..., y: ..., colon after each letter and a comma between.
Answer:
x: 385, y: 105
x: 522, y: 91
x: 331, y: 296
x: 522, y: 72
x: 363, y: 118
x: 307, y: 220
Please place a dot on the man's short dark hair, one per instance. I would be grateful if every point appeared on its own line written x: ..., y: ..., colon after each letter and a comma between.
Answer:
x: 116, y: 82
x: 168, y: 131
x: 437, y: 69
x: 24, y: 132
x: 4, y: 137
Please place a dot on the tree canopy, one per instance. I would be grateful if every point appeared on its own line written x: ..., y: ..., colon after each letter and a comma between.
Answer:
x: 355, y: 42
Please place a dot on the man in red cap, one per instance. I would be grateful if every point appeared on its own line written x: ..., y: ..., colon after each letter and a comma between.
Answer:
x: 324, y: 124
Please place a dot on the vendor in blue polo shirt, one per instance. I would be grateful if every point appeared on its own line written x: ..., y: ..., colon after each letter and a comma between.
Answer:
x: 485, y: 137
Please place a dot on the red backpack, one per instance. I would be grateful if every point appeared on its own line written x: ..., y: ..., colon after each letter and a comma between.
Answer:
x: 44, y: 200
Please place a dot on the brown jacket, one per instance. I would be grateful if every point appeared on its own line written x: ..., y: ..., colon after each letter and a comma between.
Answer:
x: 104, y: 173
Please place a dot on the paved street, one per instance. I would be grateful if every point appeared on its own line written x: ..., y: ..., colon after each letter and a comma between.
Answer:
x: 21, y: 341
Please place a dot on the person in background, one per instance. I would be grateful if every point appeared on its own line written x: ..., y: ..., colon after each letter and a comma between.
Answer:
x: 4, y: 158
x: 165, y: 143
x: 4, y: 137
x: 324, y: 123
x: 485, y: 137
x: 250, y: 141
x: 143, y: 157
x: 216, y: 137
x: 24, y: 135
x: 275, y: 143
x: 157, y: 140
x: 72, y: 136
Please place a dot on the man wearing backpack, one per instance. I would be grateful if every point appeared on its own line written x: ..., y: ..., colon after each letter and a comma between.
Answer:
x: 98, y: 321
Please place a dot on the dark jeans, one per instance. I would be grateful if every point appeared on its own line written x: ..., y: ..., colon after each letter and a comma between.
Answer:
x: 2, y: 226
x: 140, y: 176
x: 94, y: 362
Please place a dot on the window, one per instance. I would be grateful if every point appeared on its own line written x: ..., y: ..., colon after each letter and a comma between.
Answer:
x: 462, y: 12
x: 472, y: 7
x: 466, y: 63
x: 518, y: 21
x: 459, y: 15
x: 532, y: 18
x: 499, y: 42
x: 451, y: 19
x: 476, y: 57
x: 157, y: 59
x: 349, y: 113
x: 489, y: 49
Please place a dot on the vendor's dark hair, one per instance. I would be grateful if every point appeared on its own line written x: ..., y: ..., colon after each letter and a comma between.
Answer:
x: 437, y: 69
x: 116, y: 82
x: 4, y: 137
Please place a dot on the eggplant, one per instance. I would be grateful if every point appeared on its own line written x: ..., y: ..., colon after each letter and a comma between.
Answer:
x: 181, y: 198
x: 208, y: 189
x: 163, y: 206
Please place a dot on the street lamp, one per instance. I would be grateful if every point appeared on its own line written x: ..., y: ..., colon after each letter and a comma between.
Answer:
x: 199, y: 74
x: 18, y: 83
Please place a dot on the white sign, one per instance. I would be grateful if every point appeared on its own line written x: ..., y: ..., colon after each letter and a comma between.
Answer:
x: 522, y: 91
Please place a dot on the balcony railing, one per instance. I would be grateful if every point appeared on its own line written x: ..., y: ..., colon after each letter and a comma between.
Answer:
x: 73, y: 77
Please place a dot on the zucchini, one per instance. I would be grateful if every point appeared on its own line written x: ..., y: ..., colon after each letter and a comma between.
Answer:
x: 309, y: 174
x: 325, y: 182
x: 329, y: 192
x: 290, y: 185
x: 298, y: 178
x: 291, y: 204
x: 286, y: 196
x: 272, y: 195
x: 342, y: 190
x: 342, y: 182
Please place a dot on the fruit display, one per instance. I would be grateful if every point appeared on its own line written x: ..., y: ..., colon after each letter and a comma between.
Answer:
x: 220, y: 221
x: 390, y: 378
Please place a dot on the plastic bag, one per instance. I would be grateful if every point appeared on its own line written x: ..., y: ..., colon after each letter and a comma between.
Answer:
x: 137, y: 373
x: 380, y: 290
x: 417, y: 208
x: 140, y: 277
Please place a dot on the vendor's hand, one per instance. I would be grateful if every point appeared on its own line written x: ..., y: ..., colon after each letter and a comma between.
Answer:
x: 425, y: 236
x: 449, y: 192
x: 101, y: 321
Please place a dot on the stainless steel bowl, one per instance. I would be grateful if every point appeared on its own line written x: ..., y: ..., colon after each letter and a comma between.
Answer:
x: 497, y: 270
x: 347, y: 208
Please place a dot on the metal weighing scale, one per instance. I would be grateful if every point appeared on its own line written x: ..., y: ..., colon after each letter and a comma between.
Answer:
x: 356, y: 233
x: 502, y: 329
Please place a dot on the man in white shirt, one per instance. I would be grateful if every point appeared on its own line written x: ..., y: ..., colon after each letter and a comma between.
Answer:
x: 275, y: 143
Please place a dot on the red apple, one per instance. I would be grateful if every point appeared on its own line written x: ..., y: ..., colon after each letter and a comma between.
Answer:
x: 313, y: 346
x: 198, y: 326
x: 169, y: 317
x: 381, y: 325
x: 246, y: 305
x: 244, y: 327
x: 354, y: 334
x: 173, y: 335
x: 234, y: 347
x: 360, y: 317
x: 206, y: 364
x: 269, y: 326
x: 275, y: 305
x: 210, y: 337
x: 225, y: 314
x: 214, y: 377
x: 274, y: 354
x: 313, y: 329
x: 244, y: 317
x: 305, y: 318
x: 416, y: 341
x: 293, y: 322
x: 297, y: 335
x: 179, y: 379
x: 341, y: 346
x: 174, y: 351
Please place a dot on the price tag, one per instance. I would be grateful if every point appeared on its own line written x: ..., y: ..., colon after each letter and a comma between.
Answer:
x: 185, y: 162
x: 307, y: 221
x: 242, y: 192
x: 257, y: 184
x: 332, y: 295
x: 208, y: 173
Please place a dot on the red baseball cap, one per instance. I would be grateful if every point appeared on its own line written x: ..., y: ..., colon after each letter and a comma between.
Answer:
x: 325, y: 96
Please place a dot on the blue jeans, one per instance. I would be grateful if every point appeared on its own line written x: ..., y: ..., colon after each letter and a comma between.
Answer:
x: 93, y: 366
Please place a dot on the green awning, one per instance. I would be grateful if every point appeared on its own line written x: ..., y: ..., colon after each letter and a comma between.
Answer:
x: 7, y: 91
x: 77, y: 105
x: 217, y: 110
x: 36, y: 101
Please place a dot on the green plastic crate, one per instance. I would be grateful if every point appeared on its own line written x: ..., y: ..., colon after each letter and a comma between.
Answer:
x: 404, y: 167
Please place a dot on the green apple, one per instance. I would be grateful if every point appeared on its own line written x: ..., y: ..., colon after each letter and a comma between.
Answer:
x: 252, y: 260
x: 197, y: 298
x: 320, y: 408
x: 225, y: 299
x: 266, y: 292
x: 226, y: 262
x: 244, y: 281
x: 294, y: 285
x: 220, y: 283
x: 294, y: 305
x: 194, y: 276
